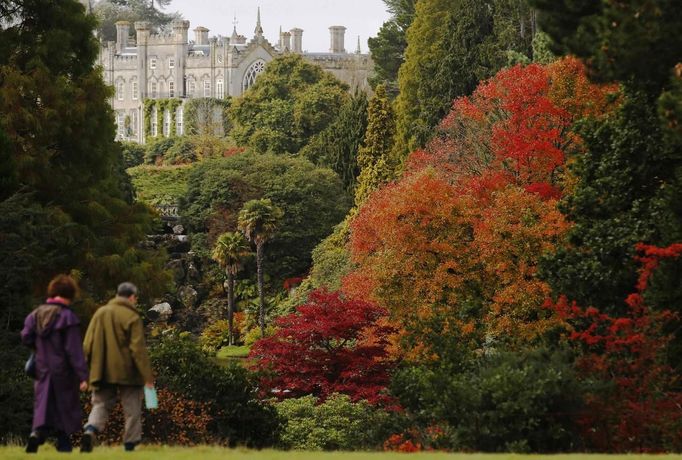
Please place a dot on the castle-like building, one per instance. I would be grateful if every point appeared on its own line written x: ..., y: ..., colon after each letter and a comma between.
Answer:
x: 169, y: 65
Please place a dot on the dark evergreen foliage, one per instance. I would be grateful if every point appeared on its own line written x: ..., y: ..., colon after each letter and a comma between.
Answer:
x: 496, y: 402
x: 388, y: 47
x: 312, y: 198
x: 615, y: 204
x: 67, y: 170
x: 239, y: 418
x: 337, y: 146
x: 637, y: 41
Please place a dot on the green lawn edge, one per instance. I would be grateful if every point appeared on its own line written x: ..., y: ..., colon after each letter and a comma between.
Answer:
x: 149, y: 452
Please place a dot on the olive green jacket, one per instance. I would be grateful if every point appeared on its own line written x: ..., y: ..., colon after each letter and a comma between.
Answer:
x: 114, y: 346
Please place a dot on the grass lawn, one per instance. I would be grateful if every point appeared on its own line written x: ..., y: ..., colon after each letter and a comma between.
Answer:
x: 233, y: 352
x: 216, y: 453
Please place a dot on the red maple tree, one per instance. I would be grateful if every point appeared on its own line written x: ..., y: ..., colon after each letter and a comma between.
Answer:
x: 641, y: 410
x: 329, y: 345
x: 516, y: 127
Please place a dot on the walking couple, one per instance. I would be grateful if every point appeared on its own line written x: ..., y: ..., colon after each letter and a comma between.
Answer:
x: 111, y: 360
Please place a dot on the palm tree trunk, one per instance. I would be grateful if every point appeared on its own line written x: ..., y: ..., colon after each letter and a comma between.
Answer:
x: 230, y: 305
x: 259, y: 264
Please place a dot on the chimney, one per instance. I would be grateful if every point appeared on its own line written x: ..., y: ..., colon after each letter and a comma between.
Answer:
x: 337, y: 35
x: 285, y: 41
x: 201, y: 36
x: 142, y: 29
x: 122, y: 29
x: 297, y: 43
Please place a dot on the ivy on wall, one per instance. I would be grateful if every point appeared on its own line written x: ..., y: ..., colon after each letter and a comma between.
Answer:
x: 161, y: 106
x: 172, y: 105
x: 149, y: 105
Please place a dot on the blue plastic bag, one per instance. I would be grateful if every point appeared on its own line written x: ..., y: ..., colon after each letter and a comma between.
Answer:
x: 150, y: 399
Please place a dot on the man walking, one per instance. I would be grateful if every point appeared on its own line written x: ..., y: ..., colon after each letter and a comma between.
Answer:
x: 115, y: 349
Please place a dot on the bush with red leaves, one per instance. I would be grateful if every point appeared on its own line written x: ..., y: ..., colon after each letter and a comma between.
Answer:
x: 329, y: 345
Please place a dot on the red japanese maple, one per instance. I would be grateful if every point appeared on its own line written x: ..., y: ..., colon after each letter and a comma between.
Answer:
x: 329, y: 345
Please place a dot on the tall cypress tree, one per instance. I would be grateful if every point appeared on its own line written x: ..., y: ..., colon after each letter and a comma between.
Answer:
x: 377, y: 165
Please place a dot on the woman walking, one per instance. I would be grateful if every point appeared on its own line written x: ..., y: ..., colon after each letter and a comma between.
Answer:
x: 53, y: 331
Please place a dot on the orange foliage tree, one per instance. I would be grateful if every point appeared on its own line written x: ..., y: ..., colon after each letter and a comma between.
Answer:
x: 408, y: 241
x: 460, y: 236
x: 425, y: 247
x: 510, y: 235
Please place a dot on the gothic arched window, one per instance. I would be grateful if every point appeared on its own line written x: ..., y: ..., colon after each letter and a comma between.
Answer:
x: 252, y: 73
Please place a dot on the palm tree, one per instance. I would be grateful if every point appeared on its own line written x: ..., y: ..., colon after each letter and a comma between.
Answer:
x: 258, y: 221
x: 230, y: 250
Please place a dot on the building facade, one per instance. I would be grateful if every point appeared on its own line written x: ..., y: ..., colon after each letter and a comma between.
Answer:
x: 169, y: 65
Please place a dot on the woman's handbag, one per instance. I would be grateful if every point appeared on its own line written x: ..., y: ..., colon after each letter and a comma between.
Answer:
x: 30, y: 366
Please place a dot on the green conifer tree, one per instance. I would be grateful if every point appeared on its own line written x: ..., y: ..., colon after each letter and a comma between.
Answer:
x: 451, y: 46
x: 337, y: 146
x: 377, y: 165
x: 388, y: 47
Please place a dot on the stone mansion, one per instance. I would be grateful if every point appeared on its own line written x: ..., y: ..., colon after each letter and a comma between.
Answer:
x: 168, y: 65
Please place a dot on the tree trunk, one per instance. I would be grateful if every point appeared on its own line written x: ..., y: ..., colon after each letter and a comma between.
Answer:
x: 261, y: 310
x: 230, y: 305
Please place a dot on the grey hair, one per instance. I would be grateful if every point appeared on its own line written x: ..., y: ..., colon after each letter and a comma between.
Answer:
x: 126, y: 289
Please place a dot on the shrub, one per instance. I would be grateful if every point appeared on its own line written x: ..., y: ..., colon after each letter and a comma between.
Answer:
x: 215, y: 337
x: 253, y: 335
x: 633, y: 395
x: 183, y: 151
x: 330, y: 345
x: 336, y: 424
x: 156, y: 149
x: 177, y: 421
x: 133, y: 154
x: 16, y: 390
x: 496, y: 402
x: 238, y: 417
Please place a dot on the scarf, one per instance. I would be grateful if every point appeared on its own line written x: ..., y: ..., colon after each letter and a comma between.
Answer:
x: 45, y: 315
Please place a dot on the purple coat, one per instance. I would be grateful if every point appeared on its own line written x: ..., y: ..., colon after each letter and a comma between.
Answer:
x: 53, y: 331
